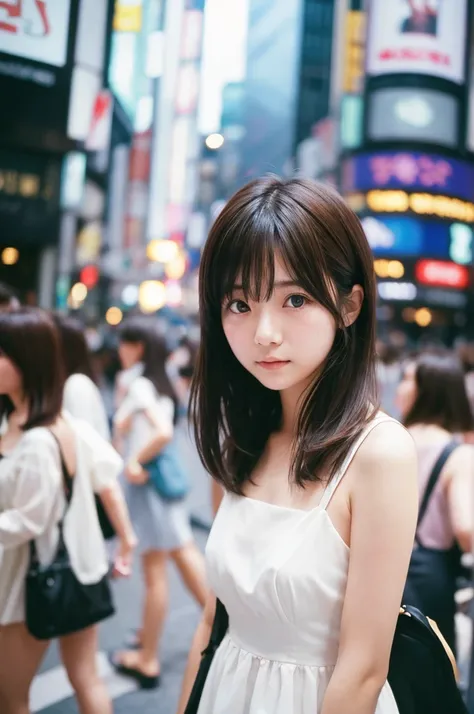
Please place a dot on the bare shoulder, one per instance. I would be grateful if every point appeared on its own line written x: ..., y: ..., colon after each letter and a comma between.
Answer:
x: 386, y: 459
x: 461, y: 458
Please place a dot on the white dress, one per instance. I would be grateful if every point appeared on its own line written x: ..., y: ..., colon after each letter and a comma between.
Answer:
x: 281, y: 574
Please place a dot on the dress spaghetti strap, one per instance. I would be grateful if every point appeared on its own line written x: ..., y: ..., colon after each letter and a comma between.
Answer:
x: 337, y: 478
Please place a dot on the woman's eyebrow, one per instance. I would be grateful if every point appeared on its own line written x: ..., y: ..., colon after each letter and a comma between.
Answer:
x: 276, y: 284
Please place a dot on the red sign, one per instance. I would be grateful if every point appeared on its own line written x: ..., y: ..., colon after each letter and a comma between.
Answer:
x: 89, y: 275
x: 442, y: 274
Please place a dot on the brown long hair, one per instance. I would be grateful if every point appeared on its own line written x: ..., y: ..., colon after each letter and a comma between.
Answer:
x: 29, y: 338
x: 441, y: 394
x: 324, y: 249
x: 77, y: 358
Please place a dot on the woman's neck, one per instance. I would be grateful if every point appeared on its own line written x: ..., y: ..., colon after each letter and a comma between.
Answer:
x: 19, y: 414
x: 291, y: 401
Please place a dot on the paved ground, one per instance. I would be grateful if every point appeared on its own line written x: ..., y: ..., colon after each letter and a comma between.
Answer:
x: 51, y: 693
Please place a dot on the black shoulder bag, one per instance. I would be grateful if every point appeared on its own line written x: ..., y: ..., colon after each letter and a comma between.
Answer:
x: 431, y: 581
x: 57, y: 603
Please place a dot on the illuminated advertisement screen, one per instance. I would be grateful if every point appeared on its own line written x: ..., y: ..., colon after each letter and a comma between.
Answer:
x: 413, y: 114
x: 407, y: 236
x: 409, y: 170
x: 421, y: 204
x: 36, y: 30
x: 417, y: 36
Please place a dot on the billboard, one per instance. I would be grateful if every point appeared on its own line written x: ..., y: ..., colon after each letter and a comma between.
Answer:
x: 405, y: 236
x: 408, y: 170
x: 413, y: 114
x: 35, y: 30
x: 418, y: 36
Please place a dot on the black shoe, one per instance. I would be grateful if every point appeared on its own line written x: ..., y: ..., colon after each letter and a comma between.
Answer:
x: 144, y: 680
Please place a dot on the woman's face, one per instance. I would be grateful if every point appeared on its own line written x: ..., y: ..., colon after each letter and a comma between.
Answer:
x: 407, y: 389
x: 10, y: 377
x: 130, y: 353
x: 282, y: 341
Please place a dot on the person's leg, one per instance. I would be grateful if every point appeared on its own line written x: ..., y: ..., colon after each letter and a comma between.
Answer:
x: 144, y: 661
x: 20, y: 658
x: 79, y: 656
x: 191, y: 565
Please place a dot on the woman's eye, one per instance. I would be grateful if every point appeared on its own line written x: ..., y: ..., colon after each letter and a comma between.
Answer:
x: 296, y: 301
x: 238, y: 307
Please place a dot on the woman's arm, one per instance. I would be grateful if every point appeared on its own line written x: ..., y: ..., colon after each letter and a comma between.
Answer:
x: 460, y: 495
x: 117, y: 511
x: 384, y: 500
x: 200, y: 642
x: 163, y: 433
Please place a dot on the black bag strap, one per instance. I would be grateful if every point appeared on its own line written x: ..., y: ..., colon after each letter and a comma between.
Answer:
x: 67, y: 485
x: 219, y: 628
x: 67, y: 478
x: 433, y: 480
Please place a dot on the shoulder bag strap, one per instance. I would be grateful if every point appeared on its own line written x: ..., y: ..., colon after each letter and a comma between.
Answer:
x: 67, y: 486
x: 67, y: 478
x: 219, y: 628
x: 433, y: 480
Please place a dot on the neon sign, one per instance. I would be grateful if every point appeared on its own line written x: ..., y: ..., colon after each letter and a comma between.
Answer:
x: 408, y: 170
x: 424, y: 204
x: 442, y: 274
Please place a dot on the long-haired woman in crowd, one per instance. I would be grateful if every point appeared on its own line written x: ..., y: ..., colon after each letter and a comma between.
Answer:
x: 38, y: 444
x: 144, y: 423
x: 310, y: 548
x: 82, y: 397
x: 433, y: 400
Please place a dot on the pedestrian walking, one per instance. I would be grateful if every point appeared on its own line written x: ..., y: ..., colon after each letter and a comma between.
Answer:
x: 145, y: 422
x: 50, y: 467
x: 433, y: 400
x: 82, y: 397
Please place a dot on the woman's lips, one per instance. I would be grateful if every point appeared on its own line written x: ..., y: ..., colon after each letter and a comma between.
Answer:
x: 273, y: 364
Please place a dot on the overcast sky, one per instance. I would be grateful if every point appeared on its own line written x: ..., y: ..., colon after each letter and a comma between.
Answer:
x: 223, y: 56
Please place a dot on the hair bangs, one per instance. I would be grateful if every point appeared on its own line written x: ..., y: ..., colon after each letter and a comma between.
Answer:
x: 246, y: 261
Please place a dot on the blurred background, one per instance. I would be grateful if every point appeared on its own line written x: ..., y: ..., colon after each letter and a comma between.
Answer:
x: 127, y: 124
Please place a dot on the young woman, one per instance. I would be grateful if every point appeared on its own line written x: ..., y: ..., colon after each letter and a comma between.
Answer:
x: 32, y: 502
x: 433, y: 401
x: 82, y: 398
x: 145, y: 423
x: 310, y: 548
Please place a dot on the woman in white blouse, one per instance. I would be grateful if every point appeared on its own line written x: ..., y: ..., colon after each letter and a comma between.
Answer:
x: 144, y: 422
x: 82, y: 397
x: 32, y: 502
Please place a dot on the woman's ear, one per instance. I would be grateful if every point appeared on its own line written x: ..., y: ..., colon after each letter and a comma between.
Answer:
x: 353, y: 305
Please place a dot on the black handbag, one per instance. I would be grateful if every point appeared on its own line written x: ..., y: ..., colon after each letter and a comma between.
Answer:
x: 422, y: 671
x: 432, y: 574
x: 56, y: 602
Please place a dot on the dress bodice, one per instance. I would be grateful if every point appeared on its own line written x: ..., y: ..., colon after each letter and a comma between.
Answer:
x: 281, y: 574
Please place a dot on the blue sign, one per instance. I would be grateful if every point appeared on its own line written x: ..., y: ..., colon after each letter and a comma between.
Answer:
x: 405, y: 236
x: 408, y: 171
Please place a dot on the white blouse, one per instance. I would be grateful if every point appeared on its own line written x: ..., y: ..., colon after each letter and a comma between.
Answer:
x: 83, y: 400
x: 32, y: 503
x: 142, y: 397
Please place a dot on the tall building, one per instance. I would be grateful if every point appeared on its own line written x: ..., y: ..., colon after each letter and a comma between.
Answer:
x: 287, y: 87
x: 411, y: 179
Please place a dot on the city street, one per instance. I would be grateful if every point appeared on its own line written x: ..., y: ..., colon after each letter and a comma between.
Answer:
x: 51, y: 692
